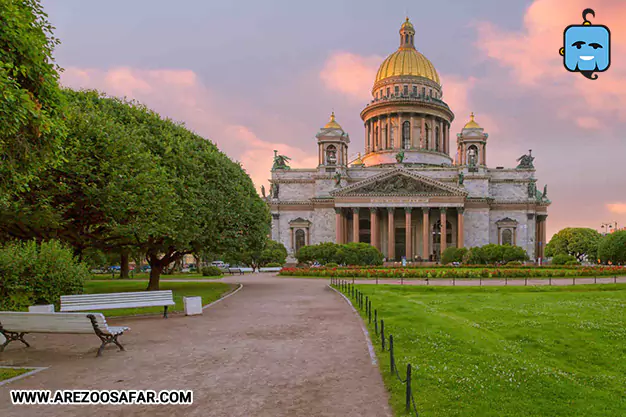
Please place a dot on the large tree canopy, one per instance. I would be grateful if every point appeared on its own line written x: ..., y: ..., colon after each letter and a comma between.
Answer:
x: 134, y: 181
x: 30, y: 98
x: 612, y: 248
x: 580, y: 242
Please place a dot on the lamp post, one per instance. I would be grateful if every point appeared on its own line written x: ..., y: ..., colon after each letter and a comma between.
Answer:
x: 608, y: 227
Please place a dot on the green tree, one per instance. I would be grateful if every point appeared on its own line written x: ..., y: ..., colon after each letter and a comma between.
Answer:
x: 579, y: 242
x: 612, y: 248
x: 133, y: 180
x: 31, y: 125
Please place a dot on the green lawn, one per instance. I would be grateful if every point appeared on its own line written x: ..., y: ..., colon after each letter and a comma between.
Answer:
x: 209, y: 291
x: 8, y: 373
x: 507, y: 351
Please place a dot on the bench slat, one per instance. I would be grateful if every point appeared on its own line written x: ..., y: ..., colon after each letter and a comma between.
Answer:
x: 85, y: 302
x: 78, y: 323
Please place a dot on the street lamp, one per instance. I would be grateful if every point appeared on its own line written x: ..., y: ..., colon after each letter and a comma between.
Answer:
x: 609, y: 227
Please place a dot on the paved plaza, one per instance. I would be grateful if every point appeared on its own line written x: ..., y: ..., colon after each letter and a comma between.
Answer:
x: 279, y: 347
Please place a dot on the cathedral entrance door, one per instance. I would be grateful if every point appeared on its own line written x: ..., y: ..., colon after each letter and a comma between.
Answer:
x: 400, y: 243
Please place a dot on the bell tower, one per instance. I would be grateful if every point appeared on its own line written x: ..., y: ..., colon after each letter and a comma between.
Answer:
x: 333, y: 145
x: 472, y: 146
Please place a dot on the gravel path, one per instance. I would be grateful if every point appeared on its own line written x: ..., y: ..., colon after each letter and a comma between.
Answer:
x: 279, y: 347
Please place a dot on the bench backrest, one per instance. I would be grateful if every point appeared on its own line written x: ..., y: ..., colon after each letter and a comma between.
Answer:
x: 86, y: 302
x: 50, y: 322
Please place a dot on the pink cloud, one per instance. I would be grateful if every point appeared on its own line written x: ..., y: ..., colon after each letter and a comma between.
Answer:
x: 180, y: 95
x: 617, y: 208
x: 351, y: 74
x: 532, y: 55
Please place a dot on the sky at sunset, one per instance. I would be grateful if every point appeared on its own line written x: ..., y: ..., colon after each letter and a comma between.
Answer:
x: 257, y: 76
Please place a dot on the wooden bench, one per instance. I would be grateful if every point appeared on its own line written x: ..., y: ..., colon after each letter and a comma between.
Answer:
x: 234, y: 271
x: 14, y: 325
x: 90, y: 302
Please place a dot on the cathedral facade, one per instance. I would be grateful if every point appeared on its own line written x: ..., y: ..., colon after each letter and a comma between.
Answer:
x: 407, y: 195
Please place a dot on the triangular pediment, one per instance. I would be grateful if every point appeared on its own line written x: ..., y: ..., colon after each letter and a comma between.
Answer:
x: 400, y: 182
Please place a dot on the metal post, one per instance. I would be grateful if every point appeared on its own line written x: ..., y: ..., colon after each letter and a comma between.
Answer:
x: 506, y: 281
x: 369, y: 313
x: 391, y: 363
x: 382, y: 333
x: 595, y: 281
x: 525, y: 281
x: 550, y: 280
x: 480, y: 281
x: 376, y: 321
x: 573, y: 280
x: 376, y: 279
x: 367, y: 304
x: 408, y: 387
x: 454, y: 281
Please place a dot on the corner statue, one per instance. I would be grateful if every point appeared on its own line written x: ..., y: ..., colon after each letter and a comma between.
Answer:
x: 280, y: 161
x: 400, y: 157
x: 526, y: 161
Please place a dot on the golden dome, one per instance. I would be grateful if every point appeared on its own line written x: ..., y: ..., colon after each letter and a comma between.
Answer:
x: 407, y: 25
x: 332, y: 124
x: 406, y: 60
x: 472, y: 124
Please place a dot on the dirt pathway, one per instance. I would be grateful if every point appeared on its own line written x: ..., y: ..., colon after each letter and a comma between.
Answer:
x: 279, y: 347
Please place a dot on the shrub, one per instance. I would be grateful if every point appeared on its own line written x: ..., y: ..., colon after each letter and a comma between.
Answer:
x: 492, y: 254
x: 514, y: 263
x: 211, y: 271
x: 453, y: 254
x: 562, y: 259
x: 331, y: 265
x: 573, y: 262
x: 273, y: 265
x: 348, y: 254
x: 33, y: 273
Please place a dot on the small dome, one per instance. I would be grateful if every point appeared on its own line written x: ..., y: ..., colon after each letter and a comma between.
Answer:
x: 406, y: 60
x: 332, y: 124
x: 472, y: 123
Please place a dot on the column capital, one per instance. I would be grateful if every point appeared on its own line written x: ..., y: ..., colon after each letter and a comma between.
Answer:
x: 355, y: 210
x: 373, y: 209
x: 275, y: 216
x: 338, y: 210
x: 391, y: 210
x: 542, y: 217
x: 460, y: 210
x: 443, y: 210
x: 425, y: 210
x: 408, y: 209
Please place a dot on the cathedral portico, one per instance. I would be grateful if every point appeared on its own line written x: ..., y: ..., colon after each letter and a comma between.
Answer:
x: 411, y: 194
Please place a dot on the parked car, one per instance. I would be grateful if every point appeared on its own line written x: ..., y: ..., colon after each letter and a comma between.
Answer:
x: 115, y: 268
x: 219, y: 264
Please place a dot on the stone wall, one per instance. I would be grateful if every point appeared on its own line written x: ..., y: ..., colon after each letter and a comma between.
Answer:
x: 476, y: 227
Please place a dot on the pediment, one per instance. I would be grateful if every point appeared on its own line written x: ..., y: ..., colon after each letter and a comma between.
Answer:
x: 400, y: 182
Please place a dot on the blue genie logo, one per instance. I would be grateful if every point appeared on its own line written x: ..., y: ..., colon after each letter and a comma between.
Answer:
x: 587, y: 47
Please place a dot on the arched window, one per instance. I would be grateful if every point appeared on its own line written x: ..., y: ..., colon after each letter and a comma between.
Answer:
x: 437, y: 138
x: 300, y: 239
x: 331, y: 155
x: 427, y: 137
x: 406, y: 90
x: 507, y: 237
x: 406, y: 135
x: 423, y: 92
x: 406, y: 38
x: 437, y: 233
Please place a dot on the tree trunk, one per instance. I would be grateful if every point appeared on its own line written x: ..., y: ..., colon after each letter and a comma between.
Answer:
x: 155, y: 275
x: 124, y: 269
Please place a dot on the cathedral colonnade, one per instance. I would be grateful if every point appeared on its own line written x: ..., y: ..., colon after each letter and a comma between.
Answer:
x: 416, y: 233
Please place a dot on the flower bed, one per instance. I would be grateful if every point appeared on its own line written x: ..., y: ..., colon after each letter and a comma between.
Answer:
x: 460, y: 272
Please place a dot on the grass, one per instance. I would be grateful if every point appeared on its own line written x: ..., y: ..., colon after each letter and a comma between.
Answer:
x: 506, y: 351
x: 145, y: 276
x: 8, y: 373
x: 209, y: 291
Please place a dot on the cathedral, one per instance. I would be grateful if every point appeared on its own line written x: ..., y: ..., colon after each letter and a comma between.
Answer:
x: 410, y: 194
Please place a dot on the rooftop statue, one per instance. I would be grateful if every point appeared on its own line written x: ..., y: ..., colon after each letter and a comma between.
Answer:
x: 461, y: 178
x: 263, y: 190
x: 280, y: 161
x: 532, y: 189
x: 526, y: 161
x: 337, y: 178
x: 400, y: 156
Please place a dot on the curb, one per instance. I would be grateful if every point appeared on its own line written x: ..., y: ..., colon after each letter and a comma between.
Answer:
x: 223, y: 298
x: 24, y: 375
x: 370, y: 347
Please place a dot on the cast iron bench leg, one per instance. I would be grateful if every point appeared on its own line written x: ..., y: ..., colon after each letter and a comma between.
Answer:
x: 10, y: 337
x: 165, y: 312
x: 105, y: 338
